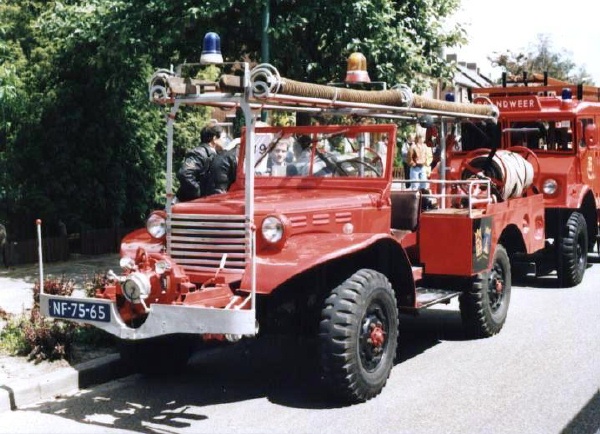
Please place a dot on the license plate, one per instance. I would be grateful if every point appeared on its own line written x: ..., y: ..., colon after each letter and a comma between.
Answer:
x: 81, y: 310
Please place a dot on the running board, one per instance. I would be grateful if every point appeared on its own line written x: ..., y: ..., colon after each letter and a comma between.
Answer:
x: 428, y: 296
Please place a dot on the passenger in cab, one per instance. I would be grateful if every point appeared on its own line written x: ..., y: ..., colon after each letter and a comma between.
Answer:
x: 280, y: 157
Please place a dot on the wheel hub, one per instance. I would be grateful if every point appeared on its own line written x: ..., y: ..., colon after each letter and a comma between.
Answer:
x: 372, y: 341
x: 499, y: 287
x: 377, y: 335
x: 495, y: 288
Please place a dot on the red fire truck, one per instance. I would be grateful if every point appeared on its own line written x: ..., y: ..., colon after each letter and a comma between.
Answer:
x: 556, y: 122
x: 331, y: 246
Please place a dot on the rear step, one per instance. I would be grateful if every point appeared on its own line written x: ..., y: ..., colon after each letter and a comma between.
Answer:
x: 429, y: 296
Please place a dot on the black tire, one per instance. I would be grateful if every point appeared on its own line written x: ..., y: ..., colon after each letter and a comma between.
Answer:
x: 573, y: 252
x: 157, y: 356
x: 484, y: 308
x: 358, y: 336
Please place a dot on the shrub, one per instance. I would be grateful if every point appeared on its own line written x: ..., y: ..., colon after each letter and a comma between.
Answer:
x: 60, y: 286
x: 97, y: 282
x: 47, y: 339
x: 40, y: 338
x: 12, y: 339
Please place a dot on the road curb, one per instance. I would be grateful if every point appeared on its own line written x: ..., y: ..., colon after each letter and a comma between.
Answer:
x: 21, y: 393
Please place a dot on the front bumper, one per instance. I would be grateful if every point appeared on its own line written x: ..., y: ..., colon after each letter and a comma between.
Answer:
x: 162, y: 319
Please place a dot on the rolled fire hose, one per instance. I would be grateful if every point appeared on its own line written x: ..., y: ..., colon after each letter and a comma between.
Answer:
x: 515, y: 172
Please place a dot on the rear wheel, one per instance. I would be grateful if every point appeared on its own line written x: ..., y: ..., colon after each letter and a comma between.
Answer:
x: 484, y: 308
x: 573, y: 251
x: 358, y: 336
x: 157, y: 356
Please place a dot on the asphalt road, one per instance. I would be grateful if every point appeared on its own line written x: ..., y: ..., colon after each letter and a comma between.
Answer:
x: 541, y: 374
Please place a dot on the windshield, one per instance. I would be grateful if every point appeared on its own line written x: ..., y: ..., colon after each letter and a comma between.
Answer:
x: 541, y: 135
x: 307, y: 152
x: 475, y: 135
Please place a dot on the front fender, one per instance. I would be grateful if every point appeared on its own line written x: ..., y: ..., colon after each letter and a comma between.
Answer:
x: 575, y: 195
x: 302, y: 253
x: 140, y: 238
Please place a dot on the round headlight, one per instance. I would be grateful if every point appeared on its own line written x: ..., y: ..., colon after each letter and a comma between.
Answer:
x: 136, y: 287
x: 272, y: 229
x: 550, y: 186
x: 161, y: 267
x: 156, y: 225
x: 127, y: 263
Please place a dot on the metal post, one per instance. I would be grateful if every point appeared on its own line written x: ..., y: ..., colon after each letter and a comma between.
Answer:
x: 249, y: 181
x: 38, y: 222
x: 265, y: 49
x: 169, y: 183
x: 442, y: 170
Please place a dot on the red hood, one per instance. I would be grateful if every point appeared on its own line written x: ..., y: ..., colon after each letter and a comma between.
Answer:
x: 279, y: 201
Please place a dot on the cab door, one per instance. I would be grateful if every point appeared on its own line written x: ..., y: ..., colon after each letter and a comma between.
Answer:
x: 590, y: 154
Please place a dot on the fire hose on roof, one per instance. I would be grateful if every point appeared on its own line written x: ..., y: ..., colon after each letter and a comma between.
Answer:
x: 266, y: 82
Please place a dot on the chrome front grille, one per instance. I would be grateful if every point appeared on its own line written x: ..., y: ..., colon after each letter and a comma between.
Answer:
x: 198, y: 242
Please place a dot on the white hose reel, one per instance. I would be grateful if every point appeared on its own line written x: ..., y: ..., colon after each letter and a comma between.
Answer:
x: 514, y: 171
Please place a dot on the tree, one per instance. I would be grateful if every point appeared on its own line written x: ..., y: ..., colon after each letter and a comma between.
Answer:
x: 311, y: 40
x: 541, y: 57
x: 16, y: 45
x: 88, y: 146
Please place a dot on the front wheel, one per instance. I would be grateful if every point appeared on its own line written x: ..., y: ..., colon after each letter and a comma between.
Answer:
x: 484, y: 308
x: 358, y: 335
x: 573, y: 251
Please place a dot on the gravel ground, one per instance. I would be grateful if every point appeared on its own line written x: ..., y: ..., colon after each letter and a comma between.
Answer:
x: 16, y: 298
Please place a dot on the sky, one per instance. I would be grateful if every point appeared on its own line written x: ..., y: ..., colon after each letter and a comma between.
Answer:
x: 573, y: 26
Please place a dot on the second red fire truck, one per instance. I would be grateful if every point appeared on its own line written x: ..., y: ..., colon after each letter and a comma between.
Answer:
x: 557, y: 123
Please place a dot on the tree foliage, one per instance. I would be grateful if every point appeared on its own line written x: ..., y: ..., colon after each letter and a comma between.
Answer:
x: 541, y: 57
x: 80, y: 141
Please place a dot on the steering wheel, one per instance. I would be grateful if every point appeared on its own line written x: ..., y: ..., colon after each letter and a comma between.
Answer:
x: 373, y: 162
x: 331, y: 164
x: 358, y: 162
x: 466, y: 165
x: 532, y: 158
x: 376, y: 161
x: 467, y: 170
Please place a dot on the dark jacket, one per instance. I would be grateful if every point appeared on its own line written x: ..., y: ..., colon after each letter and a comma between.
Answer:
x: 222, y: 172
x: 193, y: 174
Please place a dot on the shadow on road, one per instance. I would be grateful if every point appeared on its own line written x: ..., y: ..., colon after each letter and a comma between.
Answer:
x: 594, y: 258
x: 587, y: 420
x: 550, y: 281
x: 281, y: 369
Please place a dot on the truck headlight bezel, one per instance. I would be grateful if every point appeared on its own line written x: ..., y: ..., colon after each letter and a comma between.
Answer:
x: 272, y: 229
x: 550, y: 187
x: 136, y: 287
x: 156, y: 225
